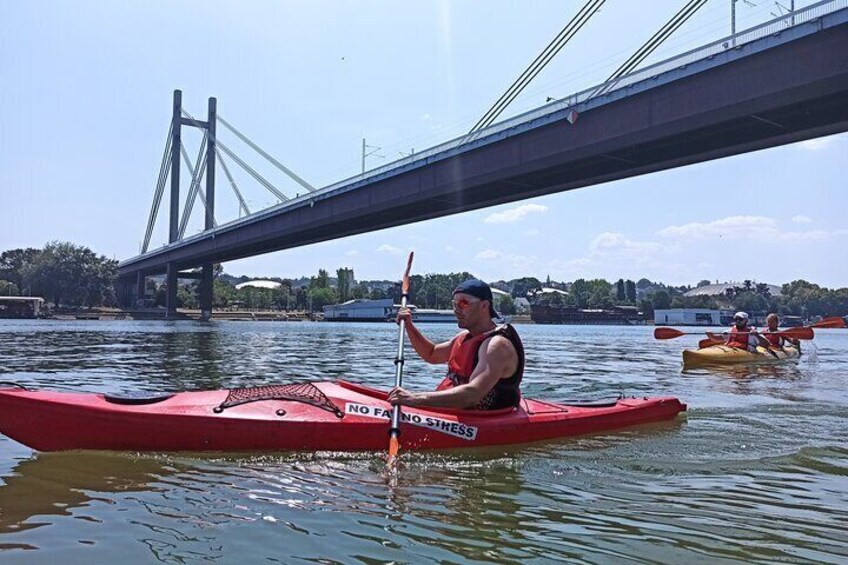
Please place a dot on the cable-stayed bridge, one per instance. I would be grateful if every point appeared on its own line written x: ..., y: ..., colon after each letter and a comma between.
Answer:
x: 778, y: 83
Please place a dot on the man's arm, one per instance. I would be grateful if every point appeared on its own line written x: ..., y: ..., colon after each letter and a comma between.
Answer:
x: 434, y: 353
x: 498, y: 360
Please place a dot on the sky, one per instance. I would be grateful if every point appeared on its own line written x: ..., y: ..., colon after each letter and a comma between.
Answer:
x: 85, y: 104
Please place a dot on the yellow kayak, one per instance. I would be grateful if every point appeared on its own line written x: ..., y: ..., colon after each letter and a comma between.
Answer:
x: 726, y: 355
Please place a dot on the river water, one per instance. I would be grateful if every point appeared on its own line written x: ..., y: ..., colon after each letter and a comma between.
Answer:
x: 755, y: 471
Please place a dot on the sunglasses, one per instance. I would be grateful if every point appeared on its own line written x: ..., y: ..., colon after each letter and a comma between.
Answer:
x: 462, y: 303
x: 738, y: 319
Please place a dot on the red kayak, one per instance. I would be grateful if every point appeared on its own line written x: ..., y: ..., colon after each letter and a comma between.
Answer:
x: 337, y: 416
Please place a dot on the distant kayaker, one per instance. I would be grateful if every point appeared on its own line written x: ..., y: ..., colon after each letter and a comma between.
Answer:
x: 775, y: 339
x: 485, y: 362
x: 743, y: 336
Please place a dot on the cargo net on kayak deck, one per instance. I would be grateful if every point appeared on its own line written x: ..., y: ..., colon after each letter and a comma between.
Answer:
x: 307, y: 393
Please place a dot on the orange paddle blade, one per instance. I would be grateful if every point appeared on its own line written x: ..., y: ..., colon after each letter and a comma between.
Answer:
x: 834, y: 322
x: 708, y: 342
x: 667, y: 333
x: 406, y: 274
x: 715, y: 337
x: 394, y: 447
x: 798, y: 333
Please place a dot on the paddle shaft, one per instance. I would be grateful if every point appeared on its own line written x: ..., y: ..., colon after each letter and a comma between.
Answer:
x: 394, y: 430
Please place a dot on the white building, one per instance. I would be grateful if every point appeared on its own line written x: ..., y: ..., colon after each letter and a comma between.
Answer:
x: 360, y: 310
x: 692, y: 317
x: 259, y: 284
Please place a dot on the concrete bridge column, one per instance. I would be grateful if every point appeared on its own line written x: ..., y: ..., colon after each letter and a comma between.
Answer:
x: 206, y: 285
x: 140, y: 289
x: 171, y: 294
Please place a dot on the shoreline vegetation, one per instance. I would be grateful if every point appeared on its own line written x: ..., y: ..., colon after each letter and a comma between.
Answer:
x: 76, y: 283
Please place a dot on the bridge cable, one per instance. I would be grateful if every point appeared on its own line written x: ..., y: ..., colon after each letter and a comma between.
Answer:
x: 191, y: 195
x: 539, y: 63
x: 236, y: 190
x: 194, y: 191
x: 650, y: 46
x: 577, y: 22
x: 280, y: 196
x: 259, y: 150
x: 164, y: 168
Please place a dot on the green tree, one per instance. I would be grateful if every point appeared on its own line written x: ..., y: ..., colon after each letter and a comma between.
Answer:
x: 322, y: 296
x: 526, y: 286
x: 223, y: 293
x: 321, y: 281
x: 620, y: 292
x: 377, y: 294
x: 14, y: 264
x: 345, y: 281
x: 71, y: 274
x: 630, y: 290
x: 187, y: 296
x: 661, y: 300
x: 506, y: 305
x: 750, y: 302
x: 301, y: 298
x: 8, y: 288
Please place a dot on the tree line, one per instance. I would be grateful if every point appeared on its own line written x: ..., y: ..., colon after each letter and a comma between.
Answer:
x: 71, y: 275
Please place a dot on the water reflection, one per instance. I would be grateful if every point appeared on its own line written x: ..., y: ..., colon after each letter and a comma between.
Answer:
x: 54, y: 484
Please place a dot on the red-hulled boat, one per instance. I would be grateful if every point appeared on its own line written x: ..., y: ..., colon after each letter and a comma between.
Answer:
x: 303, y: 416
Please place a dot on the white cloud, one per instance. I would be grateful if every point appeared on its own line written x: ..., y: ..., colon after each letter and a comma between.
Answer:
x: 610, y: 251
x: 532, y: 233
x: 488, y: 255
x: 800, y: 219
x: 816, y: 144
x: 389, y: 249
x: 748, y: 228
x: 507, y: 263
x: 450, y: 249
x: 609, y: 242
x: 514, y: 214
x: 352, y: 253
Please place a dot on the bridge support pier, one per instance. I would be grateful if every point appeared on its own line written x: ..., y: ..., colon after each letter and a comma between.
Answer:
x: 171, y: 281
x: 140, y: 289
x: 206, y: 284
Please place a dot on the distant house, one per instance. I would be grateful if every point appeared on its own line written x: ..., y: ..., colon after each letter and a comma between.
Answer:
x: 522, y: 305
x: 692, y: 317
x: 360, y: 310
x: 20, y: 306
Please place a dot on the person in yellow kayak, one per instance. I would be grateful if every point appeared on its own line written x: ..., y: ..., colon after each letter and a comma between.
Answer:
x: 771, y: 335
x: 485, y: 361
x: 743, y: 336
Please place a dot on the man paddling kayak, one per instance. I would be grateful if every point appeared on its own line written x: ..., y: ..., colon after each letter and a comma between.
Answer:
x: 485, y: 362
x: 743, y: 336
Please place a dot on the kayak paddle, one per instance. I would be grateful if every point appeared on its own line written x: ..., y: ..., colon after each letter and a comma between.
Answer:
x: 792, y: 333
x: 394, y: 430
x: 709, y: 341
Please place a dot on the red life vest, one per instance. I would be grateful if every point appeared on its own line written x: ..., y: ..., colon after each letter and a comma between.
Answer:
x: 464, y: 354
x: 774, y: 339
x: 739, y: 339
